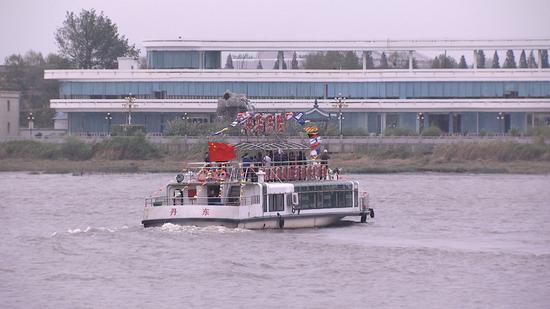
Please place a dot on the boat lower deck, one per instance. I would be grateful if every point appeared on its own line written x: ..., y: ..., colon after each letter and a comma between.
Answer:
x: 302, y: 220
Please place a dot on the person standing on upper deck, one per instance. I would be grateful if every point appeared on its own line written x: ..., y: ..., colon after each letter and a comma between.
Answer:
x: 267, y: 160
x: 324, y: 157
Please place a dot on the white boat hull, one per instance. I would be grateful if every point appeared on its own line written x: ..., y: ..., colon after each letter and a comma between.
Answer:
x: 229, y: 216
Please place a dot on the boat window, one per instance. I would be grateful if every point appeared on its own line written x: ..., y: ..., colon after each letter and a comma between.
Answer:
x: 213, y: 194
x: 233, y: 196
x: 276, y: 202
x: 306, y: 200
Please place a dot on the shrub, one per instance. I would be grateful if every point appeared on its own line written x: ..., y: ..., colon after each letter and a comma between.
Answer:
x: 543, y: 131
x: 513, y: 132
x: 503, y: 152
x: 29, y: 150
x: 75, y: 149
x: 126, y: 148
x: 127, y: 130
x: 179, y: 127
x: 390, y: 152
x: 398, y: 132
x: 432, y: 131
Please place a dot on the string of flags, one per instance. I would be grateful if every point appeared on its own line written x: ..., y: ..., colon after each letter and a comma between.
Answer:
x: 263, y: 123
x: 268, y: 123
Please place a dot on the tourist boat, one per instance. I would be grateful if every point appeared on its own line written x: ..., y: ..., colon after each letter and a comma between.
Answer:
x: 257, y: 195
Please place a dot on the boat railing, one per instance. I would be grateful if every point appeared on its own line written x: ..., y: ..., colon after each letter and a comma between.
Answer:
x: 190, y: 201
x: 248, y: 171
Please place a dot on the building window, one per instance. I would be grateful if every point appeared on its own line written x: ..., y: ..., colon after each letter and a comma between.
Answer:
x: 8, y: 108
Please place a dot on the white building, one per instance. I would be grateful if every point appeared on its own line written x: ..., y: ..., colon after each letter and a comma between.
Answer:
x: 9, y: 114
x: 187, y: 76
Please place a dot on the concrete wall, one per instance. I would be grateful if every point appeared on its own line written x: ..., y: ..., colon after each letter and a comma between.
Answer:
x: 9, y: 113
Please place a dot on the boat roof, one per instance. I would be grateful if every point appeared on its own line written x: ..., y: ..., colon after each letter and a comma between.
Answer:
x: 271, y: 145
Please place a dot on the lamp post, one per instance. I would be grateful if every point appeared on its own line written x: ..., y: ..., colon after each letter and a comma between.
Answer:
x: 130, y: 104
x: 420, y: 118
x: 108, y: 117
x: 30, y: 118
x: 500, y: 118
x: 340, y: 103
x: 185, y: 119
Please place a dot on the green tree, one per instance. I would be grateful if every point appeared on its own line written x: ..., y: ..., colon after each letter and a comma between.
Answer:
x: 544, y: 58
x: 510, y: 61
x: 26, y: 75
x: 480, y: 59
x: 523, y: 60
x: 294, y: 63
x: 229, y: 62
x: 350, y: 61
x: 314, y: 61
x: 370, y: 61
x: 462, y: 64
x: 280, y: 55
x: 496, y: 62
x: 334, y: 60
x: 383, y: 61
x: 92, y: 41
x: 444, y: 62
x: 531, y: 62
x: 396, y: 60
x: 260, y: 66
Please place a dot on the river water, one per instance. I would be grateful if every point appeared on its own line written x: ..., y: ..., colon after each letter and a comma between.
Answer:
x: 438, y: 241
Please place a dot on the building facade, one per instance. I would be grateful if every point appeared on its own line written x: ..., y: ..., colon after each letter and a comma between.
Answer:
x: 9, y: 114
x: 185, y: 76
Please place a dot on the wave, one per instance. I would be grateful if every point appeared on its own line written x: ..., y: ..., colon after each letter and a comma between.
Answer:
x: 90, y: 229
x: 176, y: 228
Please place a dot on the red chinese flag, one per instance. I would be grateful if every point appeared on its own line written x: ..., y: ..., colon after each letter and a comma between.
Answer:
x: 219, y: 152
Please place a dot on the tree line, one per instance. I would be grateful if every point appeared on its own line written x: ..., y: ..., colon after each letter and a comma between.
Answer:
x: 338, y: 60
x: 88, y: 40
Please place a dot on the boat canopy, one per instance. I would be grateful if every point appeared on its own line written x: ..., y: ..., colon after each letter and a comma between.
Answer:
x: 270, y: 146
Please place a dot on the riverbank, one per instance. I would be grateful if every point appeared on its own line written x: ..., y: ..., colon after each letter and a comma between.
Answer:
x: 137, y: 155
x: 357, y: 165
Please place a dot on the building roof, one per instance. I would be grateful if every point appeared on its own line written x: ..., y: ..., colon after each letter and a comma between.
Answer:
x: 311, y: 45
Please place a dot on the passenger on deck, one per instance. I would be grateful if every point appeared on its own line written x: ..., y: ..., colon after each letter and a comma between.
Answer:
x: 284, y: 158
x: 258, y: 160
x: 301, y: 158
x: 292, y: 158
x: 246, y: 164
x: 324, y: 157
x: 278, y: 157
x: 267, y: 160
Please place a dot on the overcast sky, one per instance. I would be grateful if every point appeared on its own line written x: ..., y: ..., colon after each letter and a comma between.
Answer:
x: 27, y: 24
